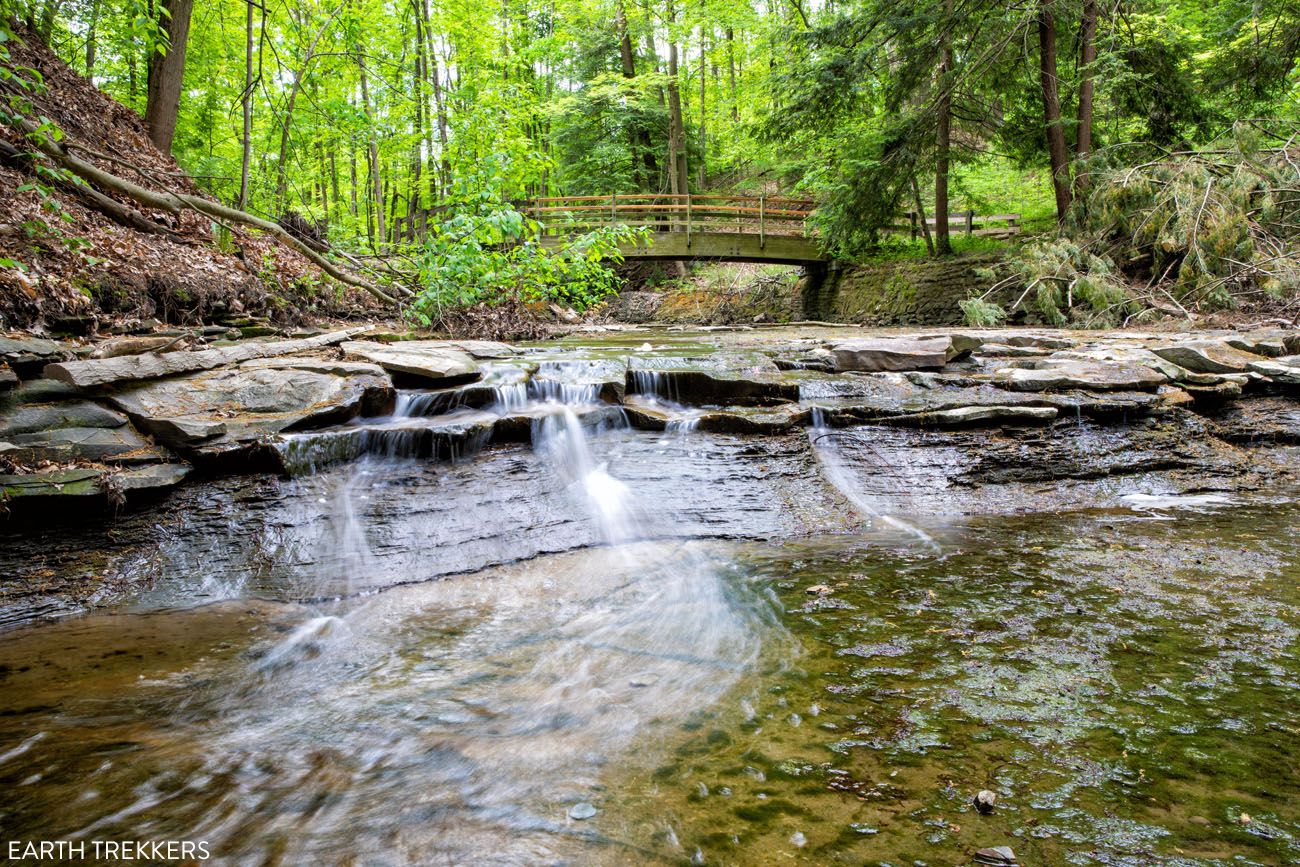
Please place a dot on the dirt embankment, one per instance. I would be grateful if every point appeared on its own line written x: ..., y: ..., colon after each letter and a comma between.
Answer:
x: 68, y: 266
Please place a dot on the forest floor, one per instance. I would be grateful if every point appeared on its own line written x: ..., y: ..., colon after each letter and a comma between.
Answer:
x: 66, y: 266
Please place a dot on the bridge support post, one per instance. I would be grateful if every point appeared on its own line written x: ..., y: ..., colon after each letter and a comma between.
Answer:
x: 818, y: 285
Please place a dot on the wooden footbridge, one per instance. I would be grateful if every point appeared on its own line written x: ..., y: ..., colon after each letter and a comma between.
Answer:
x: 691, y: 226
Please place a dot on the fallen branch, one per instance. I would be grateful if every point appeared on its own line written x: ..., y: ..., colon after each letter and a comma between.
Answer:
x: 175, y: 203
x: 111, y: 208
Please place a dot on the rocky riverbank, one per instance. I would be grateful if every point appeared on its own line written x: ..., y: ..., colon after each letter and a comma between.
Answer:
x: 100, y: 426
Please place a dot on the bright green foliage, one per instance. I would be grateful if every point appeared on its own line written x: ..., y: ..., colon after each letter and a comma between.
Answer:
x: 485, y: 251
x: 372, y: 117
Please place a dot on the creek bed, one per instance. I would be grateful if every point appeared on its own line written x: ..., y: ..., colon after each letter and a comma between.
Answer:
x: 628, y: 646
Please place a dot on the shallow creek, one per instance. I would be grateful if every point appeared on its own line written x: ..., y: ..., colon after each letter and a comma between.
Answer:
x: 734, y: 649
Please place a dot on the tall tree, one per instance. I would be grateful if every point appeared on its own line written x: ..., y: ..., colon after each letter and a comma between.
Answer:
x: 247, y: 102
x: 943, y: 134
x: 1087, y: 71
x: 1058, y: 153
x: 167, y: 73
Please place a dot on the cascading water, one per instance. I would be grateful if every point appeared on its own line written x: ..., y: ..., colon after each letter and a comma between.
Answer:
x: 498, y: 698
x: 563, y: 443
x: 825, y: 443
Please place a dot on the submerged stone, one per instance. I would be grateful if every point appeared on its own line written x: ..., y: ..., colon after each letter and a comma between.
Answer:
x: 582, y: 811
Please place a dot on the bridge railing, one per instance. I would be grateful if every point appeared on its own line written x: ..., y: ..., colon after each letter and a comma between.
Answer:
x: 752, y: 215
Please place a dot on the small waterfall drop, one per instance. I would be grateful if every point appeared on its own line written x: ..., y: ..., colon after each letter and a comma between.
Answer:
x: 835, y: 468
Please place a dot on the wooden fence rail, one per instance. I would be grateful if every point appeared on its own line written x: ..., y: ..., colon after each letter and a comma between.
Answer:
x: 966, y: 221
x: 697, y: 212
x: 688, y: 213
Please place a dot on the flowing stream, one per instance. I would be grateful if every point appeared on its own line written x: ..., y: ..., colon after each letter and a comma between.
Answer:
x: 618, y: 646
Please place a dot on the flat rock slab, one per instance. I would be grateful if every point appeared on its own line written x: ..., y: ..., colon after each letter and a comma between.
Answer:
x: 91, y: 483
x: 1056, y: 374
x: 1006, y: 350
x: 333, y: 366
x: 149, y: 366
x: 8, y: 379
x: 844, y: 400
x: 724, y: 379
x: 60, y: 445
x: 1269, y: 346
x: 1207, y: 356
x: 24, y: 418
x: 441, y: 438
x: 1285, y: 370
x: 25, y: 356
x: 893, y: 353
x: 979, y: 416
x: 430, y: 363
x: 223, y: 408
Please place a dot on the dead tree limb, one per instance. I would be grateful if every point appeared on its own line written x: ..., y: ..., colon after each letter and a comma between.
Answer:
x: 174, y: 203
x: 92, y: 198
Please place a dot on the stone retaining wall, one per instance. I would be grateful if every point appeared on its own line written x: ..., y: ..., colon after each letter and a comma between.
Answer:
x: 917, y: 292
x: 921, y: 292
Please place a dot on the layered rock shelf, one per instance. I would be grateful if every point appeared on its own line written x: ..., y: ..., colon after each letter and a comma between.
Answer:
x: 86, y: 424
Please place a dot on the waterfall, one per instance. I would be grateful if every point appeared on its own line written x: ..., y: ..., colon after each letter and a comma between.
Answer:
x: 826, y: 447
x: 653, y: 384
x: 562, y: 441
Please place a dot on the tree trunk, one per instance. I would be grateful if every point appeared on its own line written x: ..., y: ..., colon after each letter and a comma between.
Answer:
x: 247, y: 141
x: 701, y: 169
x: 1058, y: 154
x: 1087, y: 57
x: 91, y: 36
x: 377, y: 188
x: 167, y: 75
x: 628, y: 61
x: 282, y: 164
x: 440, y: 107
x: 677, y: 176
x: 419, y: 76
x: 352, y: 154
x: 943, y: 136
x: 731, y: 72
x: 334, y: 174
x: 324, y: 180
x: 920, y: 215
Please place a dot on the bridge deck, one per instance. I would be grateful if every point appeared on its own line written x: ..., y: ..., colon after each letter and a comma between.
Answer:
x: 730, y: 228
x: 722, y: 246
